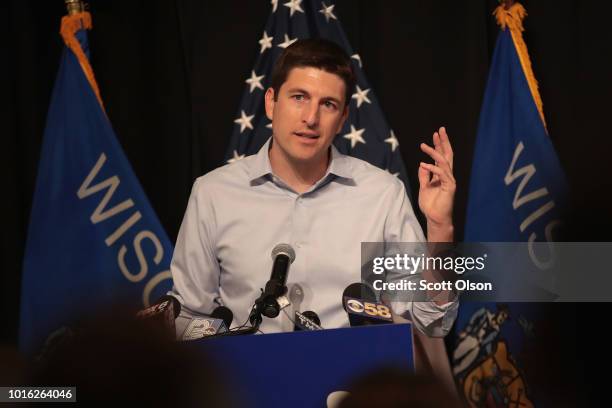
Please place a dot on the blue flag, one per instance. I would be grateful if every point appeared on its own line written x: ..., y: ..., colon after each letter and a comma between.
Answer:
x: 518, y: 188
x: 365, y: 134
x: 93, y: 237
x: 517, y: 194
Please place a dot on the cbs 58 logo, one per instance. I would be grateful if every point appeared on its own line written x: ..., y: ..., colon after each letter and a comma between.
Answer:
x: 376, y: 310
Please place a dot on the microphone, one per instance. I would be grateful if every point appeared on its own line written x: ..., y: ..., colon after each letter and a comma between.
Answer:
x: 307, y: 321
x: 296, y: 296
x: 283, y: 256
x: 268, y: 304
x: 165, y: 310
x: 174, y: 305
x: 359, y: 302
x: 223, y: 313
x: 219, y: 321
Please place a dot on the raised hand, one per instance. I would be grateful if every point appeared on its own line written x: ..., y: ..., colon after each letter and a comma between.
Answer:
x: 437, y: 184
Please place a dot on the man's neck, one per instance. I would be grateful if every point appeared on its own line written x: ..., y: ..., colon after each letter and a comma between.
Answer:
x: 300, y: 176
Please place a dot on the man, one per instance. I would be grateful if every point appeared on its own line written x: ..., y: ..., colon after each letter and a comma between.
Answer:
x: 300, y: 190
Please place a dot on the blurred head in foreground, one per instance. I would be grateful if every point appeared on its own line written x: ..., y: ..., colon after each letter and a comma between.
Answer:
x: 397, y: 388
x: 126, y: 360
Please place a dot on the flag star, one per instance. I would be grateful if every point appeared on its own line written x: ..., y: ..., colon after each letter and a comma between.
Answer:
x: 355, y: 136
x: 287, y: 42
x: 254, y: 81
x: 328, y: 11
x: 274, y: 5
x: 358, y: 58
x: 265, y: 42
x: 361, y: 96
x: 294, y: 5
x: 392, y: 140
x: 235, y: 158
x: 244, y: 121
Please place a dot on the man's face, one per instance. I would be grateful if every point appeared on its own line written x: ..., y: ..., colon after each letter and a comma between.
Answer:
x: 307, y: 115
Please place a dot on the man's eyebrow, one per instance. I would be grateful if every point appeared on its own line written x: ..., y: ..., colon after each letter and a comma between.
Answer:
x: 298, y: 90
x: 305, y: 92
x: 331, y: 98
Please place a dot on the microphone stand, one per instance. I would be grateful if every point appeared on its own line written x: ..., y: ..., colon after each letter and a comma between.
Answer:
x: 265, y: 304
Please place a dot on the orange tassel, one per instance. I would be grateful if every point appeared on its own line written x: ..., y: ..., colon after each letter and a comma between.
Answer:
x: 512, y: 18
x: 70, y: 25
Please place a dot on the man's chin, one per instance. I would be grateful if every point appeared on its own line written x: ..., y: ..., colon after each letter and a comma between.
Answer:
x: 305, y: 154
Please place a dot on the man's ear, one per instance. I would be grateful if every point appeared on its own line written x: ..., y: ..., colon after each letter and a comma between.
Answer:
x: 343, y: 119
x: 269, y: 99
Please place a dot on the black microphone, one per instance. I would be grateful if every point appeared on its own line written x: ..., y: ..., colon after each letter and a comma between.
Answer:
x: 283, y: 256
x: 360, y: 291
x: 359, y: 302
x: 165, y: 310
x: 223, y: 313
x: 217, y: 323
x: 307, y: 321
x: 175, y: 305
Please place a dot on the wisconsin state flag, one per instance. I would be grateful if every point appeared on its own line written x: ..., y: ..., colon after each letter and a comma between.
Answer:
x: 93, y: 238
x: 517, y: 188
x: 517, y: 193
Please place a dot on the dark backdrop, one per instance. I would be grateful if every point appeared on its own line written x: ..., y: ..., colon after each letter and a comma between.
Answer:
x: 171, y: 74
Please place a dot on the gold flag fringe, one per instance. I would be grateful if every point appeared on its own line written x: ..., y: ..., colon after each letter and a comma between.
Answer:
x: 512, y: 18
x: 70, y: 25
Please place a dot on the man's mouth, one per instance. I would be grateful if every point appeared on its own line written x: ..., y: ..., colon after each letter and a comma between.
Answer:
x: 308, y: 135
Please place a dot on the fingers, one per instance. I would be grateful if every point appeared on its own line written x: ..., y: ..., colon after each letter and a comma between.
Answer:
x: 442, y: 154
x: 445, y: 146
x: 446, y: 177
x: 424, y: 176
x: 437, y: 156
x: 438, y: 143
x: 438, y: 147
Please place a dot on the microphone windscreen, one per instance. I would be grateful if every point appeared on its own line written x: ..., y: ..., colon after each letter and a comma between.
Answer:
x: 296, y: 295
x: 223, y: 313
x: 359, y: 291
x: 312, y: 316
x: 176, y: 305
x: 284, y: 249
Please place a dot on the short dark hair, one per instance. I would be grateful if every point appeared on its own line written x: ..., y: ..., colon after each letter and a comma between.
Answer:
x: 317, y: 53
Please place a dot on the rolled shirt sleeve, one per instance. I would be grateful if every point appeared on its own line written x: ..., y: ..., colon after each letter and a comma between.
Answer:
x: 402, y: 226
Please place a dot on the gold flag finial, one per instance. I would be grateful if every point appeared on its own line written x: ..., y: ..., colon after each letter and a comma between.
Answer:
x: 510, y: 14
x: 74, y: 6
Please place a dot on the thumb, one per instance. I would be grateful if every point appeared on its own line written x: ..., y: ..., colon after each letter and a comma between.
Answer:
x: 424, y: 176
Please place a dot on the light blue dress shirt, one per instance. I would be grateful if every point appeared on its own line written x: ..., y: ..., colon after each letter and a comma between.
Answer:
x: 239, y: 212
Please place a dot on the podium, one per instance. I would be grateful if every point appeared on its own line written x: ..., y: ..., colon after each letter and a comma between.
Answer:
x: 301, y: 369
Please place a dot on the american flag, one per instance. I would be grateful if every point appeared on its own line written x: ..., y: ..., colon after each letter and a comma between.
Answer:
x: 365, y: 135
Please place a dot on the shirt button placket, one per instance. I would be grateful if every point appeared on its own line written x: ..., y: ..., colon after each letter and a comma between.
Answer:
x: 297, y: 269
x: 299, y: 219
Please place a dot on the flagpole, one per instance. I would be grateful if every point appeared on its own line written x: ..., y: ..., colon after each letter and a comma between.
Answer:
x: 74, y: 6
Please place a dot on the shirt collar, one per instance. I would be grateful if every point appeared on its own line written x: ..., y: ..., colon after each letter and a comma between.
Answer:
x: 260, y: 166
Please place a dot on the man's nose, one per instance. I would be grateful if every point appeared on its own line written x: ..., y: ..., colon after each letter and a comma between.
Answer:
x: 310, y: 114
